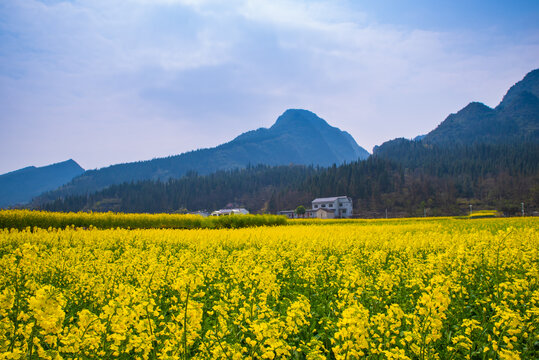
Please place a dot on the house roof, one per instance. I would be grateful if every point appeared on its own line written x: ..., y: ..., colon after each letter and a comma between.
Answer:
x: 329, y: 199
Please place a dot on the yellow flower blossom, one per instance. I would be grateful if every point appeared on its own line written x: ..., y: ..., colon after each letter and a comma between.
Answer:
x: 385, y: 289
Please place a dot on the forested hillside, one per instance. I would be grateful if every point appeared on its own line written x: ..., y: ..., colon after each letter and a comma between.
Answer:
x: 405, y: 182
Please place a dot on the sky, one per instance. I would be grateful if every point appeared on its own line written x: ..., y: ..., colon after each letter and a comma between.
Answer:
x: 106, y: 82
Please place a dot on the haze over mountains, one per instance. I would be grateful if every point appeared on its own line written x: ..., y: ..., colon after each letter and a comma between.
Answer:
x: 515, y: 119
x: 22, y: 185
x: 300, y: 137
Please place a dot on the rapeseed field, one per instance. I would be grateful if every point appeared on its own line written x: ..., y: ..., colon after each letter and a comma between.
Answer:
x: 399, y: 289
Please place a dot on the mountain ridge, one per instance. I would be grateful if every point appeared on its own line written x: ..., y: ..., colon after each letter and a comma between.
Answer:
x: 516, y: 118
x: 298, y: 136
x: 301, y: 137
x: 529, y: 83
x: 20, y: 186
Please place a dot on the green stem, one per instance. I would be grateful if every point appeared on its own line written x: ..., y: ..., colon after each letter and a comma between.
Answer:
x: 185, y: 324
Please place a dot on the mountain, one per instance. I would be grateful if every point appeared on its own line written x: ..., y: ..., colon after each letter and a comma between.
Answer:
x: 297, y: 137
x: 515, y: 119
x: 20, y: 186
x: 473, y: 122
x: 480, y: 155
x: 530, y: 84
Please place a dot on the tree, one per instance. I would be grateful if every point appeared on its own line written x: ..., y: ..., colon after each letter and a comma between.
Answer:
x: 300, y: 210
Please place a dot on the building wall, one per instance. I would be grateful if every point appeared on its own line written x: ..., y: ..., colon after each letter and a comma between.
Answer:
x: 345, y: 208
x: 342, y: 207
x: 321, y: 214
x: 292, y: 214
x: 226, y: 212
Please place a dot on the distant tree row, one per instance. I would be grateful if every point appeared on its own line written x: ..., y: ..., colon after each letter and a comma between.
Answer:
x: 407, y: 178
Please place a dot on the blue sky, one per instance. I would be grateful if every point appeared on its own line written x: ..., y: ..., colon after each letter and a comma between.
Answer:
x: 105, y: 82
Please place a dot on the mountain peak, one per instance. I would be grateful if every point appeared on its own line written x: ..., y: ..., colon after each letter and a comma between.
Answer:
x: 473, y: 108
x: 299, y: 117
x: 531, y: 77
x: 71, y: 163
x: 529, y: 83
x: 20, y: 186
x: 515, y: 119
x: 298, y: 137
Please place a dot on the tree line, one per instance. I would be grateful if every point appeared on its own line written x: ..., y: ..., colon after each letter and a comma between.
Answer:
x: 405, y: 177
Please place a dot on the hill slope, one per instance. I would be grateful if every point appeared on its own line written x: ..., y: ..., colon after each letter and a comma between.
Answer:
x: 530, y: 84
x: 20, y: 186
x: 446, y: 180
x: 515, y: 119
x: 298, y: 137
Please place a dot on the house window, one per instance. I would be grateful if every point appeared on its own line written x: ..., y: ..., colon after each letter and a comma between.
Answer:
x: 323, y: 205
x: 330, y: 205
x: 316, y: 206
x: 343, y: 211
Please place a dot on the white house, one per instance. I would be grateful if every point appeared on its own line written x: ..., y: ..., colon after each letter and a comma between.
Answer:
x: 225, y: 212
x: 341, y: 206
